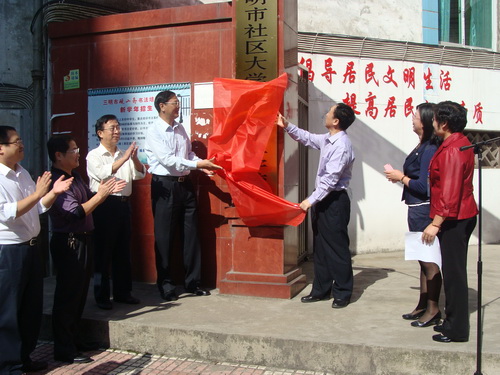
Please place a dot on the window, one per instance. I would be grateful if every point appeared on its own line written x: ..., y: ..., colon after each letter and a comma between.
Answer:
x: 466, y: 22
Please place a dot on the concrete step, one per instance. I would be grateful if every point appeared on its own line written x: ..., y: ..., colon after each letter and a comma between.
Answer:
x: 367, y: 337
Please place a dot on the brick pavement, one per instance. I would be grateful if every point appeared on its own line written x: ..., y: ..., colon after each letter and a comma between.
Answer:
x: 119, y: 362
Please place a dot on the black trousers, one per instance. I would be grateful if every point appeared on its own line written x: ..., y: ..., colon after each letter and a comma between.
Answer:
x: 175, y: 212
x: 21, y: 301
x: 454, y: 240
x: 332, y: 257
x: 74, y: 267
x: 112, y: 249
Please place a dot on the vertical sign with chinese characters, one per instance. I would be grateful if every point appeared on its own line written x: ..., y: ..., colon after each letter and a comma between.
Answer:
x: 257, y: 39
x: 257, y: 60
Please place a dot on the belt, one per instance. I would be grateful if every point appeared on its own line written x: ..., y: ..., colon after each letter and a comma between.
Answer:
x: 173, y: 178
x: 31, y: 242
x: 337, y: 192
x: 71, y: 234
x: 120, y: 198
x: 418, y: 204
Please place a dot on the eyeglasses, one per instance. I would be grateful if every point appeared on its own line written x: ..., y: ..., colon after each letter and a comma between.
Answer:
x: 114, y: 129
x: 17, y: 142
x: 175, y: 102
x: 74, y: 151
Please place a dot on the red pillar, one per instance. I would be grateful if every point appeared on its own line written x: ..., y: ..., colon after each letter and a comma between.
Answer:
x: 257, y: 261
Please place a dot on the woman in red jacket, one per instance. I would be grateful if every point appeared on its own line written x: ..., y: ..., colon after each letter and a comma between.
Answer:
x: 453, y: 213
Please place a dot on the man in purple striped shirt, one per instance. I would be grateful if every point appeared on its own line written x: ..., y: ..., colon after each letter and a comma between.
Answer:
x: 71, y: 246
x: 330, y: 204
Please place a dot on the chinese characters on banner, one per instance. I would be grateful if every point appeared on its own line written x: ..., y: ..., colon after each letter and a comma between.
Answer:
x: 256, y: 40
x: 135, y: 109
x: 388, y: 89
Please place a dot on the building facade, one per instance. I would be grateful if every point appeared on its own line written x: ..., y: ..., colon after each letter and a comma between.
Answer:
x: 383, y: 59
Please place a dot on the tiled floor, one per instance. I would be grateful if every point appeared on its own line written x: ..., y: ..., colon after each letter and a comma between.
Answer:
x: 118, y: 362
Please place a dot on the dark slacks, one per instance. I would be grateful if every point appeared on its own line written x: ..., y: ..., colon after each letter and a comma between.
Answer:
x: 454, y: 240
x: 175, y: 212
x: 332, y: 257
x: 21, y: 301
x: 112, y: 249
x: 74, y: 268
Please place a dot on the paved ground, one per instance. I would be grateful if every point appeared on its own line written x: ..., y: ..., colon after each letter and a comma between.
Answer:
x: 366, y: 338
x: 119, y: 362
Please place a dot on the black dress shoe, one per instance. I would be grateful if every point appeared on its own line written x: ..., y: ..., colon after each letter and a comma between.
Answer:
x: 105, y: 305
x: 339, y: 303
x: 198, y: 292
x: 79, y: 358
x: 89, y: 346
x: 34, y: 366
x: 439, y: 328
x: 433, y: 321
x: 443, y: 338
x: 414, y: 316
x: 82, y: 358
x: 310, y: 298
x: 128, y: 300
x: 170, y: 296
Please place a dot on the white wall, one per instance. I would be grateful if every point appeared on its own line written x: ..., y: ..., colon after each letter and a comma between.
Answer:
x: 384, y: 19
x: 378, y: 219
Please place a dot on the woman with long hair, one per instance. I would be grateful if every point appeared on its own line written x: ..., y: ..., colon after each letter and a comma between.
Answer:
x: 416, y: 195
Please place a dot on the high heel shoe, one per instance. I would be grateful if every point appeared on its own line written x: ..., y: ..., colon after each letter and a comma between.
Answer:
x: 433, y: 321
x: 413, y: 316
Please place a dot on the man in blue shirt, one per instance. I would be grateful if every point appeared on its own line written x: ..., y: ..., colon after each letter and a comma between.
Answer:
x: 331, y: 206
x: 170, y: 159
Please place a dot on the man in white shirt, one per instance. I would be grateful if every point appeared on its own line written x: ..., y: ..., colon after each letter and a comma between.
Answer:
x: 170, y: 159
x: 21, y: 270
x: 112, y: 218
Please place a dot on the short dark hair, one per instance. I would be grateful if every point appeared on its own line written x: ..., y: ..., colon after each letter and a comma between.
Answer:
x: 345, y: 115
x: 163, y: 97
x: 4, y: 133
x: 99, y: 125
x: 426, y: 111
x: 452, y: 114
x: 58, y: 143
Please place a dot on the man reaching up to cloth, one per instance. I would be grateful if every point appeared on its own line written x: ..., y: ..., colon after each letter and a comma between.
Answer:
x: 331, y: 206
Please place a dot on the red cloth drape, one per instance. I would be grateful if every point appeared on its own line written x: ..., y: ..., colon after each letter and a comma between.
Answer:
x: 244, y: 118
